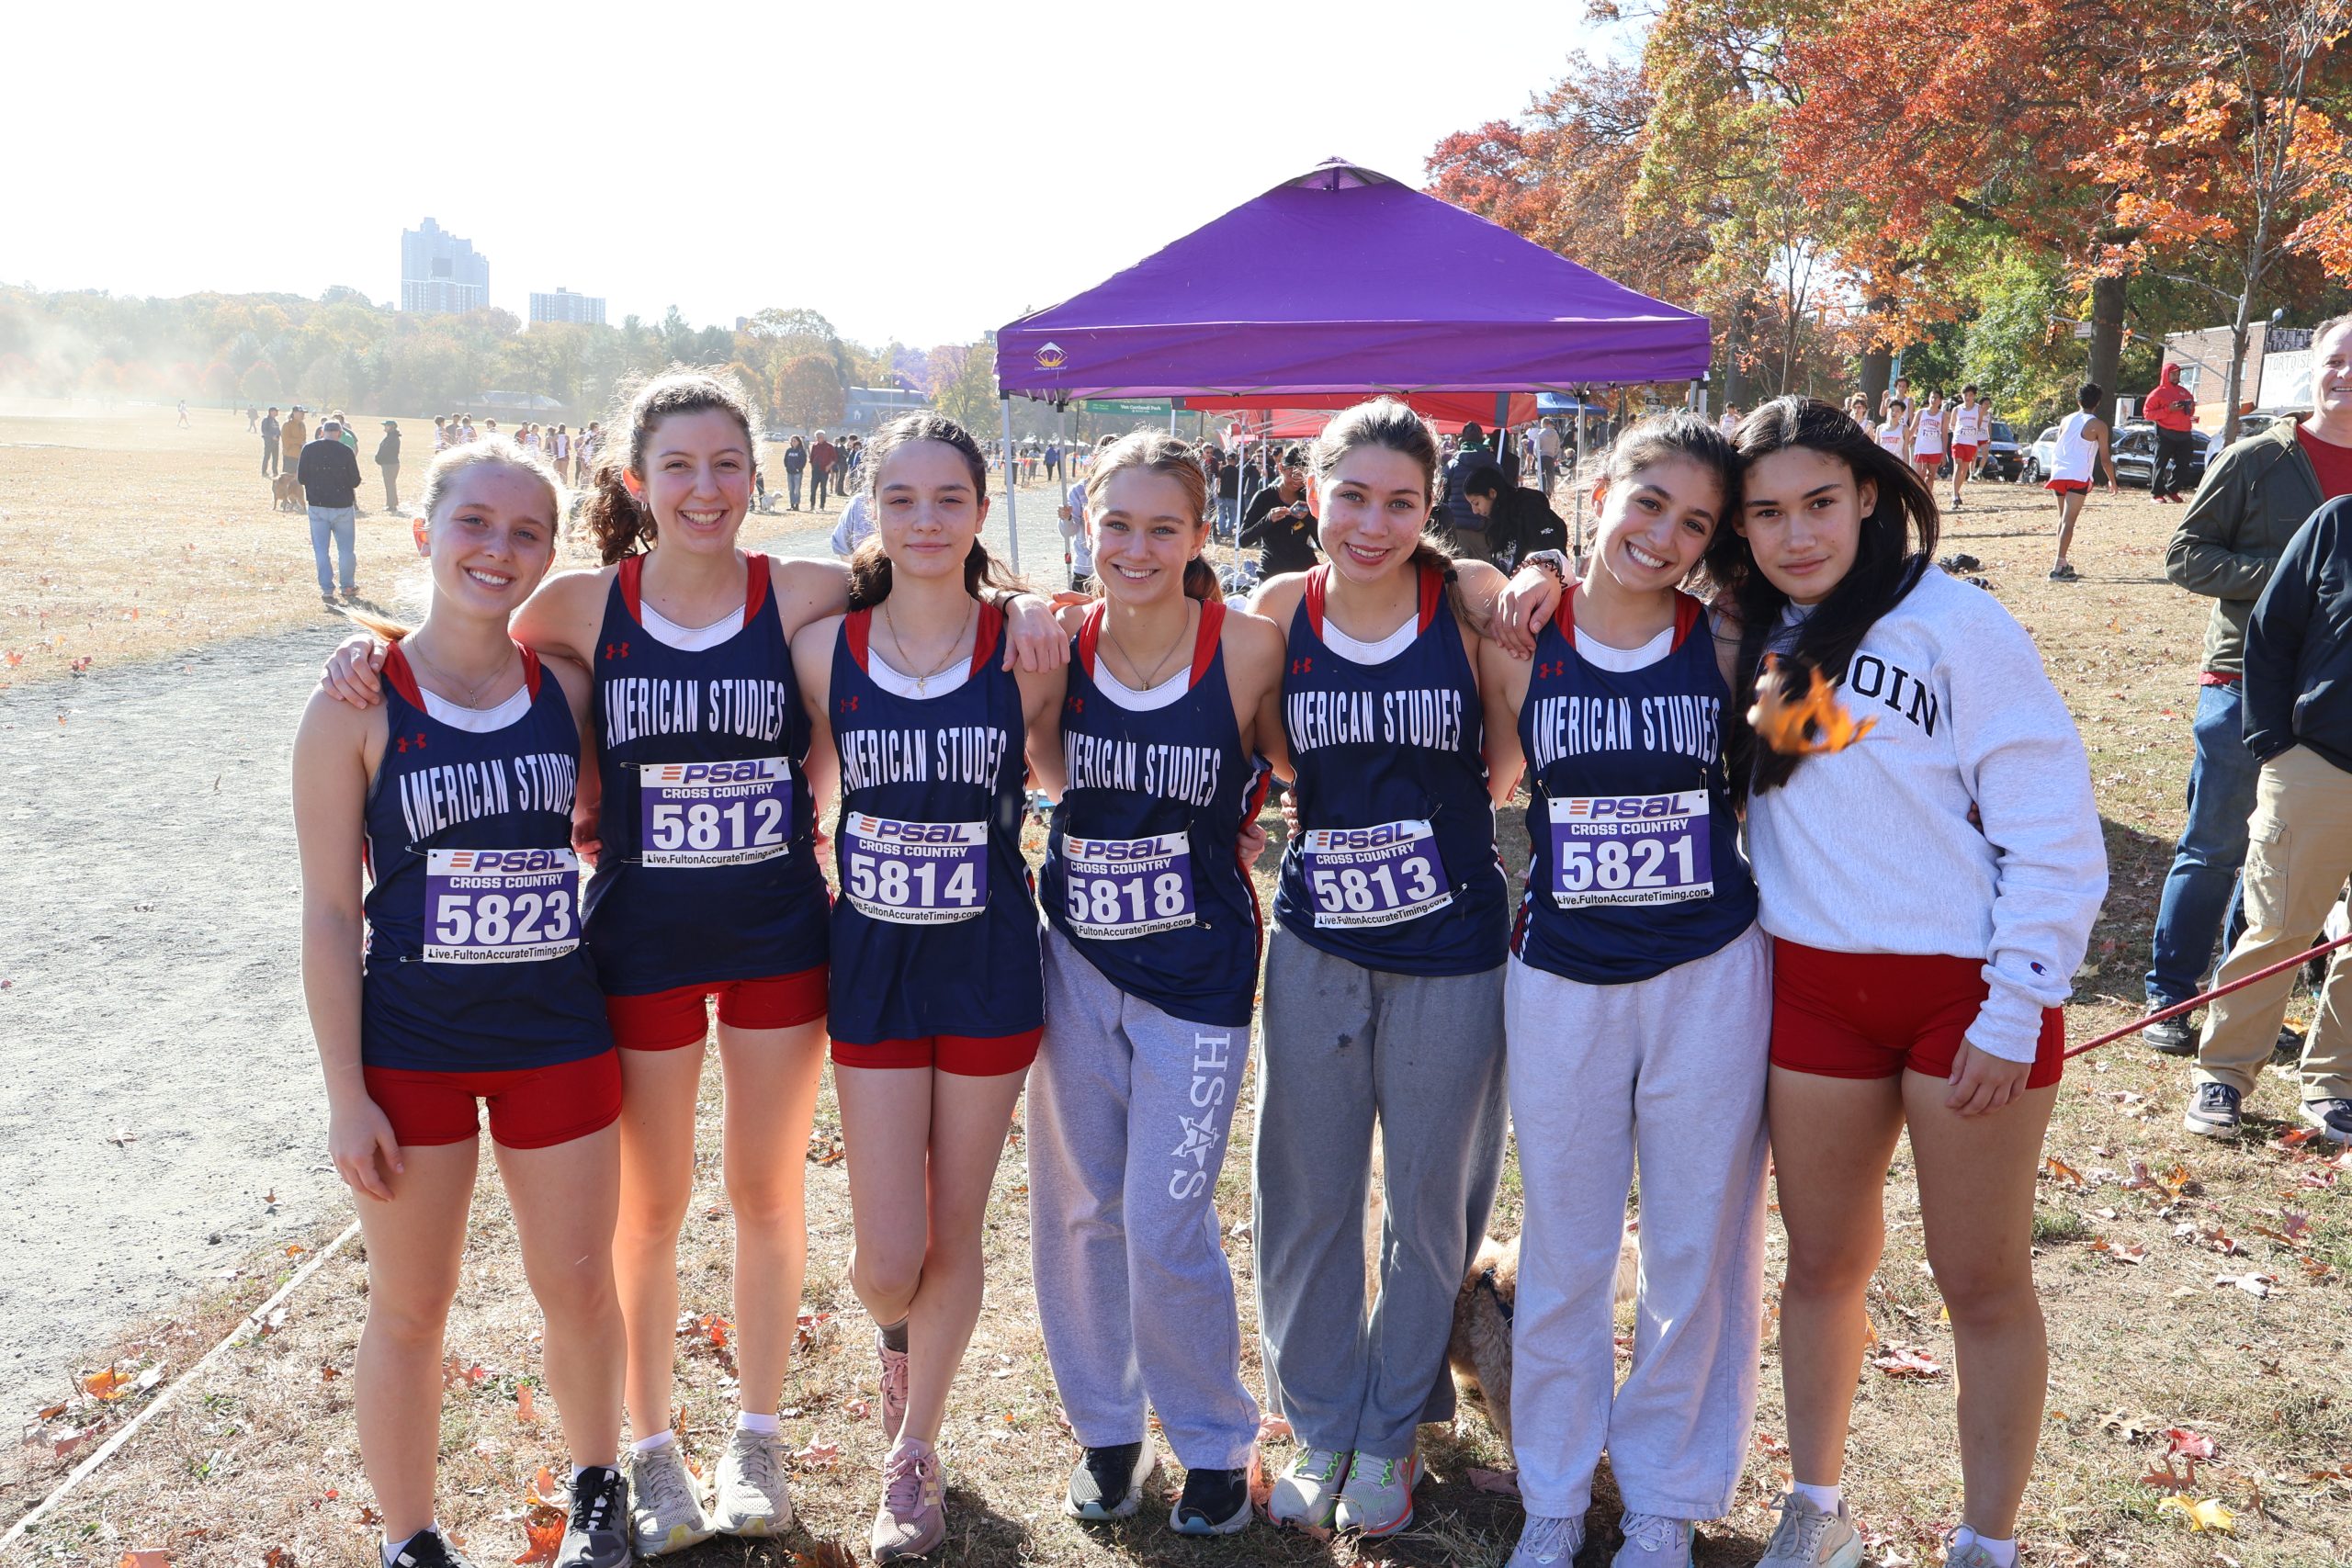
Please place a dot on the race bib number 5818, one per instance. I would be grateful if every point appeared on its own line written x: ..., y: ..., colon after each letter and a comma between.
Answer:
x: 500, y: 905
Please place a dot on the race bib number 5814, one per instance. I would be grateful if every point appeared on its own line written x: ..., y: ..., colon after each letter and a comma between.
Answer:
x: 500, y: 905
x: 914, y: 874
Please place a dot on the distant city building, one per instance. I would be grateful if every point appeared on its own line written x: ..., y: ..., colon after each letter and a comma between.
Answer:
x: 563, y: 305
x: 440, y: 274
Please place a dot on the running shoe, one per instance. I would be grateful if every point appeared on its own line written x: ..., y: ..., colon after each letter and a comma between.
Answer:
x: 892, y: 1404
x: 1377, y: 1497
x: 664, y: 1502
x: 1216, y: 1501
x: 751, y: 1499
x: 1107, y: 1482
x: 1653, y: 1540
x: 1809, y: 1536
x: 596, y: 1534
x: 2213, y: 1111
x: 1545, y: 1542
x: 2173, y: 1037
x: 911, y: 1519
x: 1968, y: 1554
x: 2332, y: 1117
x: 1308, y: 1491
x: 2064, y: 573
x: 425, y: 1549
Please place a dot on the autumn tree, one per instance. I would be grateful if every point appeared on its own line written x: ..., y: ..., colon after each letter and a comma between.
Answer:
x: 807, y: 393
x: 962, y: 384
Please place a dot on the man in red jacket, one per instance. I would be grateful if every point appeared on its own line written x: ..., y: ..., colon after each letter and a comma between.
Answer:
x: 2172, y: 409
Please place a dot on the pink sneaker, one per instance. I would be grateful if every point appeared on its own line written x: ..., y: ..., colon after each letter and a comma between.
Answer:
x: 911, y: 1519
x: 893, y: 1401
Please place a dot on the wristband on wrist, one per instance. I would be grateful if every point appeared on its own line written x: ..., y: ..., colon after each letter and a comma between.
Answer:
x: 1552, y: 561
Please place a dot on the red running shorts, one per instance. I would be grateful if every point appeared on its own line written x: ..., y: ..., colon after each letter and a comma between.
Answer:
x: 1873, y: 1015
x: 530, y: 1108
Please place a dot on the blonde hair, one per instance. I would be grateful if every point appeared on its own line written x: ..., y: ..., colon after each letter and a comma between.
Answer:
x: 495, y: 451
x: 1157, y: 451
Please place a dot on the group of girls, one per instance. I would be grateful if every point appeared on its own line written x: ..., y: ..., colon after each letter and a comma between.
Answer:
x: 1924, y: 898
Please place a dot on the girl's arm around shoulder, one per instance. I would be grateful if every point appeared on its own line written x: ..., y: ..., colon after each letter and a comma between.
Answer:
x: 808, y: 590
x: 1502, y: 687
x: 573, y: 677
x: 1041, y: 706
x: 565, y: 615
x: 1253, y: 652
x: 1724, y: 626
x: 812, y: 663
x: 1276, y: 599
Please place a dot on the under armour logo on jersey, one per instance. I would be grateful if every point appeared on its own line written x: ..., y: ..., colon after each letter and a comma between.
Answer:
x: 1546, y: 671
x: 402, y: 741
x: 1303, y: 666
x: 849, y: 704
x: 617, y: 651
x: 1078, y: 704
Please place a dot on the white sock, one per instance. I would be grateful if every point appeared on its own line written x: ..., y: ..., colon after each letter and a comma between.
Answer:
x: 392, y: 1548
x: 660, y: 1439
x: 752, y: 1421
x: 2005, y: 1552
x: 1826, y: 1498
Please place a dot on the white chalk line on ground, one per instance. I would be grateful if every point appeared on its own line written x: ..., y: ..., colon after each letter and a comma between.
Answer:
x: 258, y: 1316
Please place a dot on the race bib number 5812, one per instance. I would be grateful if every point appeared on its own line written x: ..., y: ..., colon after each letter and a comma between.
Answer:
x: 706, y: 814
x: 500, y: 905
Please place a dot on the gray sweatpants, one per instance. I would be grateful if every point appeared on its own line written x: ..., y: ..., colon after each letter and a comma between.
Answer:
x: 1669, y: 1070
x: 1346, y: 1046
x: 1129, y: 1113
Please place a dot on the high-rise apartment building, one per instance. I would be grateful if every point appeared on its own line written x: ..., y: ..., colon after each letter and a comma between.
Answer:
x: 441, y: 274
x: 563, y: 305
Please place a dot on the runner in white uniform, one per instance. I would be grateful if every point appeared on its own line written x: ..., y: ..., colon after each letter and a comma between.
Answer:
x: 2081, y: 446
x: 1972, y: 427
x: 1894, y: 432
x: 1927, y: 437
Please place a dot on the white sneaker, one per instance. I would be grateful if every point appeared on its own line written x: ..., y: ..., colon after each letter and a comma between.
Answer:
x: 1308, y: 1491
x: 1808, y: 1538
x: 1653, y: 1540
x: 1547, y: 1543
x: 664, y: 1502
x: 1378, y: 1498
x: 751, y: 1499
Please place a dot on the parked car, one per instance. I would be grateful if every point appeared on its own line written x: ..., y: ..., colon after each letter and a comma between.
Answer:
x: 2135, y: 456
x: 2000, y: 458
x: 2040, y: 457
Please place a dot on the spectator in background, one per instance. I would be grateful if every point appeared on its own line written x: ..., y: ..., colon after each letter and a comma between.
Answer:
x: 440, y: 433
x: 2254, y: 496
x: 1225, y: 483
x: 1729, y: 423
x: 466, y: 428
x: 1053, y: 461
x: 330, y: 476
x: 822, y: 456
x: 1469, y: 527
x: 1078, y: 548
x: 1278, y: 520
x: 796, y: 462
x: 182, y: 414
x: 252, y: 419
x: 2172, y: 409
x: 388, y: 459
x: 269, y: 431
x: 1518, y: 521
x: 1547, y: 455
x: 344, y: 432
x: 2299, y: 730
x: 293, y: 436
x: 856, y: 526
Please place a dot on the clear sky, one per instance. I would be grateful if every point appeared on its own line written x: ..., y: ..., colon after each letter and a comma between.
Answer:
x: 911, y: 170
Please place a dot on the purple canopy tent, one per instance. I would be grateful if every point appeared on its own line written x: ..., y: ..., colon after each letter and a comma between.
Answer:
x: 1345, y: 281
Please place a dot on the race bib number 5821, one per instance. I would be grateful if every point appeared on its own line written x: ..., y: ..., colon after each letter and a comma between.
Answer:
x: 1373, y: 876
x: 1631, y: 849
x: 914, y: 874
x: 500, y: 905
x: 706, y: 814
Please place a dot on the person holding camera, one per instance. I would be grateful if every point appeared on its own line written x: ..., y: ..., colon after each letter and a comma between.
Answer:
x: 1280, y: 522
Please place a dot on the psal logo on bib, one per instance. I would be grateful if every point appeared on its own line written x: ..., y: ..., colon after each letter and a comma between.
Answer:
x: 1049, y: 356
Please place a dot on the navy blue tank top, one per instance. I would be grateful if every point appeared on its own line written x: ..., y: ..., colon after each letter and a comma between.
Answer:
x: 1141, y: 870
x: 1637, y: 864
x: 935, y: 931
x: 475, y: 960
x: 708, y: 870
x: 1394, y: 866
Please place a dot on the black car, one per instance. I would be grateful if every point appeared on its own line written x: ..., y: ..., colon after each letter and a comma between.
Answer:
x: 2001, y: 458
x: 2135, y: 456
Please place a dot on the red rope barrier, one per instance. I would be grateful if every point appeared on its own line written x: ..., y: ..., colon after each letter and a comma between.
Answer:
x: 2179, y: 1007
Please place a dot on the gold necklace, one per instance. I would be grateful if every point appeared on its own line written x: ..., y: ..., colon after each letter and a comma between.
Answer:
x: 1152, y: 680
x: 922, y: 678
x: 472, y: 694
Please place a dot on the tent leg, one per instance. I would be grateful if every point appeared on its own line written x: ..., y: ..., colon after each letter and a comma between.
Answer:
x: 1012, y: 516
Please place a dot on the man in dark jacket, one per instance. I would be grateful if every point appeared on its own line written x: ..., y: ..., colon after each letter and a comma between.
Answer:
x: 2298, y: 728
x: 2172, y: 409
x: 1518, y: 521
x: 2254, y: 496
x: 269, y: 442
x: 388, y: 457
x: 1278, y: 521
x: 822, y: 456
x: 1469, y: 528
x: 329, y: 473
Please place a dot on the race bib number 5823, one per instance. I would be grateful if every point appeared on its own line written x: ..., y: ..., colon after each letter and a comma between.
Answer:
x: 706, y: 814
x: 500, y: 905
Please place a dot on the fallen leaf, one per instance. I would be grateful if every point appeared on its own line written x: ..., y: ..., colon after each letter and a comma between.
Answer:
x: 2206, y: 1514
x: 2166, y: 1479
x: 542, y: 1533
x: 525, y: 1407
x: 817, y: 1456
x: 1902, y: 1361
x: 2063, y: 1172
x: 545, y: 1490
x: 148, y: 1557
x: 2256, y: 1285
x: 277, y: 1557
x: 109, y: 1385
x: 859, y: 1410
x: 1501, y: 1482
x: 2188, y: 1444
x: 50, y: 1412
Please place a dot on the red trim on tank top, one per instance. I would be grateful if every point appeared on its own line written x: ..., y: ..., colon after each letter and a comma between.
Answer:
x: 755, y: 585
x: 1430, y: 587
x: 984, y: 639
x: 402, y: 678
x: 530, y: 669
x: 632, y: 589
x: 1090, y: 636
x: 1205, y: 640
x: 857, y: 627
x: 1686, y: 616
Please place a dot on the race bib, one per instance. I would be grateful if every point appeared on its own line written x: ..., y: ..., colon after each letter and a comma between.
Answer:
x: 500, y: 905
x: 1119, y: 888
x: 1373, y: 876
x: 706, y: 814
x: 914, y: 874
x: 1631, y: 849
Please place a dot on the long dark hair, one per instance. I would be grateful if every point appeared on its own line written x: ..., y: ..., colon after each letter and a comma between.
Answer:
x: 618, y: 523
x: 1681, y: 434
x: 869, y: 568
x: 1386, y: 421
x: 1897, y: 538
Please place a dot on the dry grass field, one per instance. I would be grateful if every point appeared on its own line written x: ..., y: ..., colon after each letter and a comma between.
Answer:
x: 127, y: 540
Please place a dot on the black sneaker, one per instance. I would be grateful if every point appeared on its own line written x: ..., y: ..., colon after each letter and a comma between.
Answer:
x: 596, y: 1536
x: 1107, y: 1483
x: 425, y: 1549
x: 1216, y: 1501
x: 2286, y: 1051
x: 2064, y: 573
x: 2332, y: 1117
x: 2173, y: 1037
x: 2213, y: 1111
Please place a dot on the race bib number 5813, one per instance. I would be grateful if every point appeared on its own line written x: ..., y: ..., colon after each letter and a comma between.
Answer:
x: 706, y: 814
x: 500, y: 905
x: 1373, y: 876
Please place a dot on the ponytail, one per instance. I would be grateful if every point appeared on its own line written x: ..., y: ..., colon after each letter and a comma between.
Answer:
x: 1200, y: 581
x: 619, y: 524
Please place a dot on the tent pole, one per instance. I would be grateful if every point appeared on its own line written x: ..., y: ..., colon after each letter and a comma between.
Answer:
x: 1576, y: 479
x: 1012, y: 516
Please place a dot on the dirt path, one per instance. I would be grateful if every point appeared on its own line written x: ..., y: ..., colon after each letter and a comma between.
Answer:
x: 161, y: 1081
